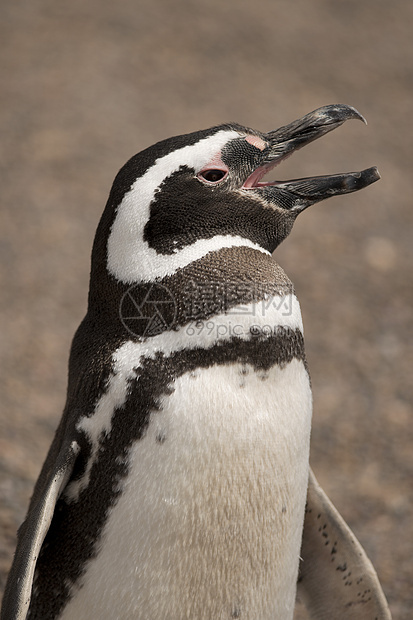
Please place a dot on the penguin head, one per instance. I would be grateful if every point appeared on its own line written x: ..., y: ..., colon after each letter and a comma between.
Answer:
x: 189, y: 195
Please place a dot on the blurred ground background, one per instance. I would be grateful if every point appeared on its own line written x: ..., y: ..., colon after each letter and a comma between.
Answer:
x: 85, y: 85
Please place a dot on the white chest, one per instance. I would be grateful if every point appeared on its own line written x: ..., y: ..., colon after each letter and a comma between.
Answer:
x: 210, y: 518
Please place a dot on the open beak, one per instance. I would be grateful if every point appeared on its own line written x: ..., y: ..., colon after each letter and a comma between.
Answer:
x: 298, y: 194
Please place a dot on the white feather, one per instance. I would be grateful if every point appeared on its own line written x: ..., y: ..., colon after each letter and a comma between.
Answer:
x: 210, y: 520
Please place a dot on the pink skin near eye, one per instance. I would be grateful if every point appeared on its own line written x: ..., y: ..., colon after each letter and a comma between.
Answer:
x: 256, y: 141
x: 255, y: 178
x: 215, y: 164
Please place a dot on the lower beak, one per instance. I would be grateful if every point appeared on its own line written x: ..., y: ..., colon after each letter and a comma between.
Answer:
x: 306, y: 192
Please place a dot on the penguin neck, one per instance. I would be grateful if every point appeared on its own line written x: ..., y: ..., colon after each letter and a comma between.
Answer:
x: 224, y: 280
x: 214, y: 284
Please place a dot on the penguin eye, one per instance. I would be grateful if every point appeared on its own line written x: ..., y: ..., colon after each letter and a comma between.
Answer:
x: 213, y: 176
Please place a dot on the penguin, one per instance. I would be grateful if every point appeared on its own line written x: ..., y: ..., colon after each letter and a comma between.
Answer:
x: 177, y: 485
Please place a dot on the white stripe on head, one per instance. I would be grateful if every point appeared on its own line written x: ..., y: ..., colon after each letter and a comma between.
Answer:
x: 130, y: 259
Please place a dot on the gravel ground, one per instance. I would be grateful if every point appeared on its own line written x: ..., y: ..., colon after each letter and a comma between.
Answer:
x: 87, y: 84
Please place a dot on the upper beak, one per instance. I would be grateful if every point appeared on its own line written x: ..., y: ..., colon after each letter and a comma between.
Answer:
x: 301, y: 193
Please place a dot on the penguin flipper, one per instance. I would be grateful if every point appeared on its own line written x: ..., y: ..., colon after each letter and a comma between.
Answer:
x: 337, y: 580
x: 31, y: 535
